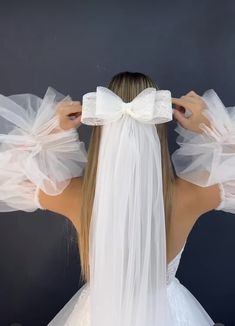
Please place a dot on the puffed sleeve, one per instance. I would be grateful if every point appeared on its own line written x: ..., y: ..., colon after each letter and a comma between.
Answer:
x: 208, y: 158
x: 35, y: 153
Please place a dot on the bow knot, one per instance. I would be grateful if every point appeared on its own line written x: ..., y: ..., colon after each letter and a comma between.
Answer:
x: 126, y: 108
x: 104, y: 106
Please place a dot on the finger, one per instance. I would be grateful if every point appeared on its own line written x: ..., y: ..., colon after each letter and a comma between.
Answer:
x: 190, y: 99
x: 184, y: 101
x: 67, y: 109
x: 192, y: 94
x: 74, y: 115
x: 68, y: 103
x: 179, y: 101
x: 76, y: 121
x: 179, y: 116
x: 180, y: 108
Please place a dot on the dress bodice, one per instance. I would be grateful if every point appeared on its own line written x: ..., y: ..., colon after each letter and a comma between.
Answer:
x: 173, y: 266
x: 185, y: 309
x: 82, y: 298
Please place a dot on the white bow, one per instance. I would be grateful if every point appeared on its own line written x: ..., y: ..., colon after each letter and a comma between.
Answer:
x: 104, y: 106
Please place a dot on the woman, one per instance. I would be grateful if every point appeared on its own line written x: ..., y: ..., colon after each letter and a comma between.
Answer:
x: 198, y: 187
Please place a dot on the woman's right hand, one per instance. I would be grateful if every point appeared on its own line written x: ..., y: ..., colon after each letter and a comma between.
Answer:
x: 194, y: 103
x: 69, y: 114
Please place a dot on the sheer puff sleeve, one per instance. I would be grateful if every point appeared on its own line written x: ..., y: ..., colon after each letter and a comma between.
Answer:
x: 209, y: 158
x: 35, y: 153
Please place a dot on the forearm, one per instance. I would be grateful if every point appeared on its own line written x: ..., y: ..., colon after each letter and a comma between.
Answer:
x: 208, y: 158
x: 35, y: 153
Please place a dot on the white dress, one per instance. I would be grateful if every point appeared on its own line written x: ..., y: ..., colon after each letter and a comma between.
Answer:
x: 32, y: 144
x: 185, y: 308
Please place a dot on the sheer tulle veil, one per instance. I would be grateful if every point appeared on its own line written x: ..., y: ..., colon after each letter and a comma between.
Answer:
x: 127, y: 253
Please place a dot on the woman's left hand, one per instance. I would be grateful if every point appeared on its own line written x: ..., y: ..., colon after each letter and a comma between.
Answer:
x: 69, y: 113
x: 194, y: 103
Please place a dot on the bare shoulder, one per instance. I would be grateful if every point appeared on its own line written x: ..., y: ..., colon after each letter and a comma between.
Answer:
x: 189, y: 203
x: 195, y: 199
x: 68, y: 203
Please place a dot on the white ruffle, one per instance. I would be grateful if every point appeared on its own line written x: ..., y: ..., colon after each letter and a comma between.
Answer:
x: 34, y: 151
x: 209, y: 158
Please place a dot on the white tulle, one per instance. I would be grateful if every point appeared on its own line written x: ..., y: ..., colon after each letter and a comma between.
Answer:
x: 149, y: 106
x: 127, y: 233
x: 208, y: 158
x: 185, y: 308
x: 35, y: 153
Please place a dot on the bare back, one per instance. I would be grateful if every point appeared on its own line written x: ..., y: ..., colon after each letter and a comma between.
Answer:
x: 189, y: 203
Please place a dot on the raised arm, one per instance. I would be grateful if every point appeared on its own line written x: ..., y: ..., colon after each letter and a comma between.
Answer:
x: 68, y: 203
x: 42, y: 159
x: 206, y: 156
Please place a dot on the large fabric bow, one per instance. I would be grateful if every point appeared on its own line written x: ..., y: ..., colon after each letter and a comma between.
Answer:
x: 104, y: 106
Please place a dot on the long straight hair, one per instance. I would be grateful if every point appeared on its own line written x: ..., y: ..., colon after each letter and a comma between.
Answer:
x: 126, y: 85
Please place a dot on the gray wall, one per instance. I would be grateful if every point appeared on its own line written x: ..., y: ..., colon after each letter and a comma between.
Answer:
x: 75, y: 46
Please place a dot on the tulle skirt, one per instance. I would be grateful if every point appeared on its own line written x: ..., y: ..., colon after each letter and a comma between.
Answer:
x: 186, y: 309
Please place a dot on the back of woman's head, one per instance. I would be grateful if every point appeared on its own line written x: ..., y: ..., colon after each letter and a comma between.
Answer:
x: 127, y: 85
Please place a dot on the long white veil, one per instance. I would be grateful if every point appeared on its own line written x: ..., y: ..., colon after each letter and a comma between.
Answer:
x: 127, y: 234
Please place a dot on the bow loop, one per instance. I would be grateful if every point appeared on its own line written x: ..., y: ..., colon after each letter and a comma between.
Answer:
x: 104, y: 106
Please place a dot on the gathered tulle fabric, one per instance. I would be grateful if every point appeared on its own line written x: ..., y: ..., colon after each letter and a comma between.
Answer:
x: 129, y: 284
x: 127, y: 233
x: 208, y: 158
x: 186, y: 310
x: 35, y: 153
x: 128, y: 246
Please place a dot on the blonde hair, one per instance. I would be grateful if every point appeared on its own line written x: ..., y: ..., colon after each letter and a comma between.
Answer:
x: 127, y: 85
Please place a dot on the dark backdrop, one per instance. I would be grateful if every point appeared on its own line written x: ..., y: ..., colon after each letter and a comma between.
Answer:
x: 74, y: 46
